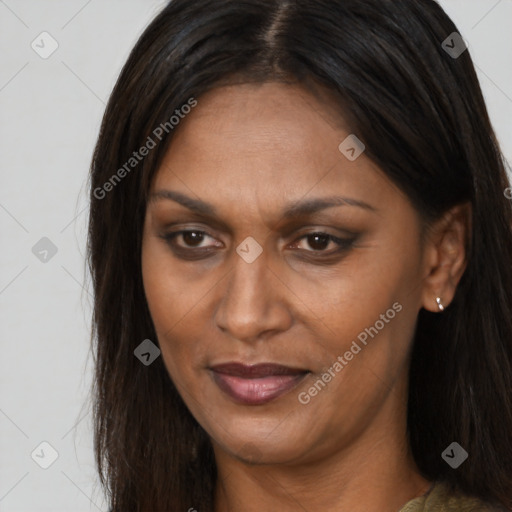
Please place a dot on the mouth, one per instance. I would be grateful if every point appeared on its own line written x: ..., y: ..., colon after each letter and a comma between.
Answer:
x: 256, y: 384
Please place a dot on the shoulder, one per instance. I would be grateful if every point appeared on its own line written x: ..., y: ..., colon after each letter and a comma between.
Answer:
x: 442, y: 498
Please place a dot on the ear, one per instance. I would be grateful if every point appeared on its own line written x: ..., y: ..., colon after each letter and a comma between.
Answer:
x: 445, y: 256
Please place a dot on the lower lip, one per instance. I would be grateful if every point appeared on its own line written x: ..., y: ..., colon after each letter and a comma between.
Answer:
x: 256, y: 391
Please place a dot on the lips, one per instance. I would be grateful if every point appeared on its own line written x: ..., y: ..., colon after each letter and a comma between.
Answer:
x: 256, y: 384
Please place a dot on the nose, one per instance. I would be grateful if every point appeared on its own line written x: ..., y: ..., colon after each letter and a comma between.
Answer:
x: 254, y: 301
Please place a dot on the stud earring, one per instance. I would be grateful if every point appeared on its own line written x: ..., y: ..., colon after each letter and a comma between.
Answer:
x: 439, y: 304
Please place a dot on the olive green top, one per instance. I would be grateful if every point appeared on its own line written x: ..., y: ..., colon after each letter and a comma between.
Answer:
x: 441, y: 498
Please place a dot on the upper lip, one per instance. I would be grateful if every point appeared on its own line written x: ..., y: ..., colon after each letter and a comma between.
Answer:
x: 255, y: 371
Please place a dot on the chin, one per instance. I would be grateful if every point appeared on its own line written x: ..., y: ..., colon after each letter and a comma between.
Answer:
x: 256, y: 447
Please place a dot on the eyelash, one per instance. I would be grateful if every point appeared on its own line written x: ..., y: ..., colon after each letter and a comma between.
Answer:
x: 344, y: 244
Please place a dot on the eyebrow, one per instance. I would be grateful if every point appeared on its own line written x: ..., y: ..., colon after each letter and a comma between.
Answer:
x: 294, y: 209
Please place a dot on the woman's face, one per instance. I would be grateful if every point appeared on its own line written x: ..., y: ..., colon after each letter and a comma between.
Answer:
x: 296, y: 258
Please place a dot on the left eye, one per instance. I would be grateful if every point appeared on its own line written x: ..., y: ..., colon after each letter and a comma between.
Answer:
x: 320, y: 241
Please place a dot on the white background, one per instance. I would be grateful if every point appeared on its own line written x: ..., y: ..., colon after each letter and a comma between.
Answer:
x: 51, y: 111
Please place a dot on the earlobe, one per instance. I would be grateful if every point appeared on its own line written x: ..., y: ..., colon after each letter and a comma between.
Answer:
x: 448, y: 245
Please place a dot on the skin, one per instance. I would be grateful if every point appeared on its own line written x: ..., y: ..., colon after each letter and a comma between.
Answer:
x: 249, y: 151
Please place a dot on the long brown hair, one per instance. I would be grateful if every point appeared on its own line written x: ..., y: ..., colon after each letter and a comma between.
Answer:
x: 422, y: 117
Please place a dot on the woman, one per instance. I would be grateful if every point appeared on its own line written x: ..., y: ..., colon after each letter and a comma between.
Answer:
x: 300, y: 246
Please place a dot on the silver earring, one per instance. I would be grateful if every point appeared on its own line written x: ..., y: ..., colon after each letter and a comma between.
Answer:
x: 439, y: 304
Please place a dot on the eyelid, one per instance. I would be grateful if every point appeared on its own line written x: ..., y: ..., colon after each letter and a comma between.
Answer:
x: 287, y: 233
x: 189, y: 220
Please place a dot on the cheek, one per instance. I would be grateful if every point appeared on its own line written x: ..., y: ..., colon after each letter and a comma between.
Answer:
x: 371, y: 300
x: 354, y: 296
x: 170, y: 300
x: 171, y: 290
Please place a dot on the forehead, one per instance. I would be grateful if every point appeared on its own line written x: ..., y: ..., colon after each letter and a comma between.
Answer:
x: 258, y: 146
x: 270, y: 115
